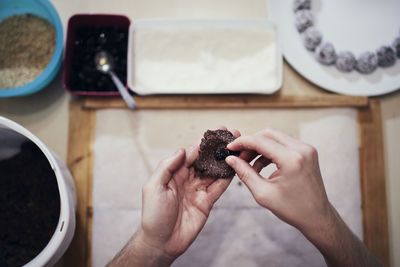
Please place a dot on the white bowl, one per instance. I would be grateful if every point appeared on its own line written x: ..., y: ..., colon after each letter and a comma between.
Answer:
x: 13, y: 134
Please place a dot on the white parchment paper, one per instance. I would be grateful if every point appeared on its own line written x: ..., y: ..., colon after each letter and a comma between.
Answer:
x: 128, y: 145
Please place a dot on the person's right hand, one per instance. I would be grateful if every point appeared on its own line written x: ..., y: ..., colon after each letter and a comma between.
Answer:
x: 295, y: 191
x: 296, y: 194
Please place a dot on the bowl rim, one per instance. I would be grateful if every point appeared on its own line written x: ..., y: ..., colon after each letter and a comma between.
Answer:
x: 52, y: 67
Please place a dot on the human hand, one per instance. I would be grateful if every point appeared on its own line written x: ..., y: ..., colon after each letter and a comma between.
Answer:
x: 294, y: 192
x: 176, y: 203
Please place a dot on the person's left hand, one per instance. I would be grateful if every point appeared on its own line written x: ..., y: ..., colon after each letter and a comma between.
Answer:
x: 176, y: 203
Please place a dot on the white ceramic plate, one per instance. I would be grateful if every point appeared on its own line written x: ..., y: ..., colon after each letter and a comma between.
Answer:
x: 355, y: 25
x: 167, y: 56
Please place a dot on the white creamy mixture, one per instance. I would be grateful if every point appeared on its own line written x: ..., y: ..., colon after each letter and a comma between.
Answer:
x: 205, y: 60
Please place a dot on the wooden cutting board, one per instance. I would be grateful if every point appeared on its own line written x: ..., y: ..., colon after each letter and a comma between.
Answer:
x: 296, y: 92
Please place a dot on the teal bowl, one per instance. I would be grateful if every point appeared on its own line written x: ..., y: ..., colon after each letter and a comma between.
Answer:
x: 44, y: 9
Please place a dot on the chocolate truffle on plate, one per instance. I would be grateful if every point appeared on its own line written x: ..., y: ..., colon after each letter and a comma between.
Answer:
x: 396, y: 46
x: 386, y: 56
x: 213, y: 151
x: 345, y: 61
x: 312, y: 38
x: 367, y: 62
x: 326, y: 54
x: 304, y: 19
x: 301, y: 4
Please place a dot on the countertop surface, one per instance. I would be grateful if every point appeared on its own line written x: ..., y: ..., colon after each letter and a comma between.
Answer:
x: 46, y: 113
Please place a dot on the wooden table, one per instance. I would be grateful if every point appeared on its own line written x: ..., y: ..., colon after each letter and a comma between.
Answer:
x: 296, y: 92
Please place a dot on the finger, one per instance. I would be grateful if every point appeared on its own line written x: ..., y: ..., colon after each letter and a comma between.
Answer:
x: 168, y: 166
x: 192, y: 152
x: 245, y: 155
x: 216, y: 188
x: 235, y: 133
x: 261, y: 163
x: 222, y: 127
x: 263, y: 145
x: 280, y: 137
x: 248, y: 155
x: 286, y: 140
x: 247, y: 174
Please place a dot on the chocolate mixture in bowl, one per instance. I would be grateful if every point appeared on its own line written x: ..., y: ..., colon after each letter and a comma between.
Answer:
x: 29, y: 205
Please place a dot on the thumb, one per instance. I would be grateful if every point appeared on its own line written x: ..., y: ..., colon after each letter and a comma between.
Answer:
x: 247, y: 174
x: 165, y: 169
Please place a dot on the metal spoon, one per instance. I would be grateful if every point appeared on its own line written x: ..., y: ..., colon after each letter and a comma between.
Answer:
x: 105, y: 63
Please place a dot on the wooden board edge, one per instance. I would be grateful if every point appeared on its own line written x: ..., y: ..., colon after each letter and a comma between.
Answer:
x: 89, y: 209
x: 229, y: 101
x: 80, y: 163
x: 372, y: 181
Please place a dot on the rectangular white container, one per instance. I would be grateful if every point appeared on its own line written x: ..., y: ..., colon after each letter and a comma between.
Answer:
x: 168, y: 56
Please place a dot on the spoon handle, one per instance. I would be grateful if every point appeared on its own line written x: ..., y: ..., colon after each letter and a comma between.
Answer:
x: 122, y: 89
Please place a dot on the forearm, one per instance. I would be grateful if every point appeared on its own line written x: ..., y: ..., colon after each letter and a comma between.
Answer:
x: 339, y: 246
x: 139, y: 253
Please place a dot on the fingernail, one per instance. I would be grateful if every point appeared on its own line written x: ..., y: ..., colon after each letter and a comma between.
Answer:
x: 230, y: 159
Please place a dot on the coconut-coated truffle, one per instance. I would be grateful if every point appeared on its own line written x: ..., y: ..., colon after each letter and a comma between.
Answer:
x: 326, y: 54
x: 386, y: 56
x: 312, y: 38
x: 304, y: 19
x: 367, y: 62
x: 345, y: 61
x: 396, y: 46
x: 301, y: 4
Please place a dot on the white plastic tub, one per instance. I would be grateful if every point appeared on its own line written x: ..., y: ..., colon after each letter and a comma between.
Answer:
x: 168, y: 56
x: 11, y: 136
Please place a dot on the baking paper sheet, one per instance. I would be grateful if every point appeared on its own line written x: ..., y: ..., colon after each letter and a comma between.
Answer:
x: 128, y: 145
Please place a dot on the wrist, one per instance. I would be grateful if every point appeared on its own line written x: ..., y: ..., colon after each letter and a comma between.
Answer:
x: 323, y: 228
x: 151, y: 248
x: 338, y: 244
x: 139, y: 252
x: 329, y: 236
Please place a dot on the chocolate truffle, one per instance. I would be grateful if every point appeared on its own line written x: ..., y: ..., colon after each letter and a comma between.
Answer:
x: 312, y: 38
x: 396, y: 46
x: 345, y: 61
x: 326, y: 54
x: 301, y: 4
x: 367, y: 62
x: 386, y: 56
x: 211, y: 161
x: 304, y: 19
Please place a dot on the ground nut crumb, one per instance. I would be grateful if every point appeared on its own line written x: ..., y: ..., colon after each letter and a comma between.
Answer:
x: 27, y: 43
